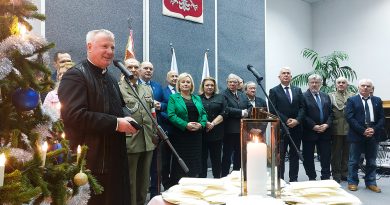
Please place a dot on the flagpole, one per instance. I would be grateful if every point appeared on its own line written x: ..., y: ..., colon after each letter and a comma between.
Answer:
x: 129, y: 22
x: 145, y: 19
x: 171, y: 45
x: 216, y: 40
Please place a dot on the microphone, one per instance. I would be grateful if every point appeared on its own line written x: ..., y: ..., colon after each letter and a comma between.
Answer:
x: 123, y: 69
x: 254, y: 72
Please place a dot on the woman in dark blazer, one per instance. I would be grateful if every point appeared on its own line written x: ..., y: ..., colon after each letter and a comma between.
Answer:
x: 189, y: 118
x: 215, y: 105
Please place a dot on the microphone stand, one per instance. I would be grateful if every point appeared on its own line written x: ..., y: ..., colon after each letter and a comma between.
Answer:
x: 284, y: 126
x: 160, y: 131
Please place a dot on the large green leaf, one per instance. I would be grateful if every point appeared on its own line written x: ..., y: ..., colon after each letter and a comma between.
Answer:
x: 329, y: 67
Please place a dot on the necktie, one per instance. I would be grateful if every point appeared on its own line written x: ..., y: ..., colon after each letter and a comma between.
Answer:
x: 135, y: 87
x: 235, y: 95
x: 319, y: 106
x: 173, y: 90
x: 367, y: 111
x: 287, y: 94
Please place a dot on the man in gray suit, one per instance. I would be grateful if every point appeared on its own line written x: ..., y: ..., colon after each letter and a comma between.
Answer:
x: 238, y: 107
x: 289, y: 102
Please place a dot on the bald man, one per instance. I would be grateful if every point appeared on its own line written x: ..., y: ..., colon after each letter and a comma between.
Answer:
x: 146, y: 74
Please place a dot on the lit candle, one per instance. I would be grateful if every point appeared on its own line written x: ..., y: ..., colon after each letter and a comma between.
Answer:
x: 256, y: 167
x: 78, y: 153
x: 22, y: 30
x: 2, y: 167
x: 43, y: 152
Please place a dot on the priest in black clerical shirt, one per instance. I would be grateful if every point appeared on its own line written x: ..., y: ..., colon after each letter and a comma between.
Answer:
x: 92, y: 114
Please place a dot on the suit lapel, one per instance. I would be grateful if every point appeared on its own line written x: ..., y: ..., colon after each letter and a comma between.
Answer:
x: 313, y: 100
x: 322, y: 97
x: 181, y: 102
x: 233, y: 97
x: 293, y: 94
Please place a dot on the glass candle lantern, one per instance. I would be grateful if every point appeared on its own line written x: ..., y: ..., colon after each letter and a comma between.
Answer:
x: 260, y: 154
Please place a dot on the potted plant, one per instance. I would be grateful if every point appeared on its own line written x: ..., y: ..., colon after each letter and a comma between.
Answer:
x: 329, y: 68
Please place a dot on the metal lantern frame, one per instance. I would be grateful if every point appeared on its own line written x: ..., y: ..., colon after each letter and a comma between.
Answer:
x: 266, y: 126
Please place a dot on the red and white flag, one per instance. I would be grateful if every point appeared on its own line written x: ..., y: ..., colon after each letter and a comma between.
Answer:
x: 206, y: 71
x: 130, y: 52
x: 173, y: 62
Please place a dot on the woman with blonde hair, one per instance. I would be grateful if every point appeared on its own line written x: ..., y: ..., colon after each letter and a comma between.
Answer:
x: 188, y: 117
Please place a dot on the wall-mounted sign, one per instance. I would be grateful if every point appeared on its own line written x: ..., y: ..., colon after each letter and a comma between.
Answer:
x: 191, y: 10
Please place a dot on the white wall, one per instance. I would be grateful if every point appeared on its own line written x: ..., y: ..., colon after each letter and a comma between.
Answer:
x: 288, y: 32
x: 38, y: 26
x: 361, y: 28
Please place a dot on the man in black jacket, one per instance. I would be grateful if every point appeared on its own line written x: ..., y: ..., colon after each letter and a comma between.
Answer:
x: 289, y: 101
x: 250, y: 91
x: 237, y: 107
x: 93, y: 116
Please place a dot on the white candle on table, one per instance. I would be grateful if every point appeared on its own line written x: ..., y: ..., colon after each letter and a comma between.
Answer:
x: 43, y: 152
x: 2, y: 167
x: 78, y: 153
x: 256, y: 168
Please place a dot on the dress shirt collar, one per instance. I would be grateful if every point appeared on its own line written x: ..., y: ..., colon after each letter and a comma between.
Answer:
x: 172, y: 89
x: 284, y: 86
x: 96, y: 68
x: 144, y: 82
x: 362, y: 97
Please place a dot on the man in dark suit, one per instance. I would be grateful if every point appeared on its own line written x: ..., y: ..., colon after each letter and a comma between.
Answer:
x: 237, y: 107
x: 318, y: 119
x: 289, y: 102
x: 250, y: 91
x: 166, y: 153
x: 365, y: 116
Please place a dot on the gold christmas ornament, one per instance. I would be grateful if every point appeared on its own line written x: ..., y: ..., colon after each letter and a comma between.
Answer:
x: 80, y: 179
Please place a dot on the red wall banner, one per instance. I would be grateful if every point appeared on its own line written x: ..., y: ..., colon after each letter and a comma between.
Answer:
x: 191, y: 10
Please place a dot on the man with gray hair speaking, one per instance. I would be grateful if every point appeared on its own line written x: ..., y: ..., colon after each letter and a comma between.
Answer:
x: 92, y: 111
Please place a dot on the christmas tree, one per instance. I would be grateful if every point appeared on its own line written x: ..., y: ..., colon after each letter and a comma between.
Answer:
x: 36, y: 165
